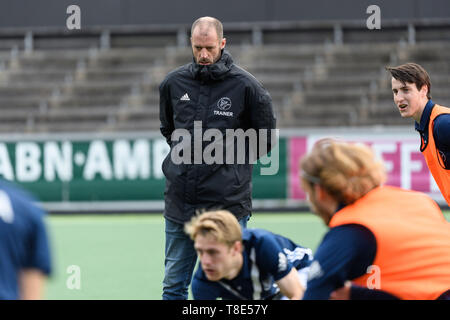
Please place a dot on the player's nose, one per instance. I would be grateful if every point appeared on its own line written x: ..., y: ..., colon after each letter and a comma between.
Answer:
x: 205, y: 260
x: 204, y: 53
x: 399, y: 98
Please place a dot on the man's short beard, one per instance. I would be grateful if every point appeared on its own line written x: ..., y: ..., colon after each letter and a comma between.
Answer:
x: 215, y: 59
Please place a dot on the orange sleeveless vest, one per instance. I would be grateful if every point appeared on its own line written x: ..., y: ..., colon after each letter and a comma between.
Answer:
x: 413, y: 242
x: 434, y: 159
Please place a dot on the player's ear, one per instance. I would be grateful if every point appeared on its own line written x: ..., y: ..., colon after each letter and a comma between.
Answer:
x: 237, y: 247
x: 424, y: 90
x: 321, y: 193
x: 318, y: 191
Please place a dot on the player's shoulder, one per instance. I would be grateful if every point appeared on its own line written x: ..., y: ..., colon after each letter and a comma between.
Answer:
x: 20, y: 201
x: 260, y: 237
x: 15, y: 192
x: 442, y: 120
x: 350, y: 237
x: 244, y: 76
x: 183, y: 71
x: 255, y: 234
x: 443, y: 109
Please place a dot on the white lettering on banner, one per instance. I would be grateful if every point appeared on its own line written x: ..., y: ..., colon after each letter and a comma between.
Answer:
x: 433, y: 185
x: 131, y: 164
x: 79, y: 158
x: 28, y: 164
x: 57, y: 161
x: 6, y: 169
x: 97, y: 162
x: 408, y: 166
x: 160, y: 150
x: 382, y: 148
x: 405, y: 165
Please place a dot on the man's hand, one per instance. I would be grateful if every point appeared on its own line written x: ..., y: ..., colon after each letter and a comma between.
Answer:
x: 342, y: 293
x: 290, y: 285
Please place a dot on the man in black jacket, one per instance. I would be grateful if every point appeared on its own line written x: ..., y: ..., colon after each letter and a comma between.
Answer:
x: 210, y: 94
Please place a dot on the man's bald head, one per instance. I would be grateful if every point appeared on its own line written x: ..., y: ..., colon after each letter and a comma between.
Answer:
x: 205, y: 25
x: 207, y: 40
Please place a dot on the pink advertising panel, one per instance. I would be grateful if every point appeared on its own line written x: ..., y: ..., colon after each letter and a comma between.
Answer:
x: 405, y: 165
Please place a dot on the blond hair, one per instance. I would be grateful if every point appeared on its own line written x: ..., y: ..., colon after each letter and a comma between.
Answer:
x: 222, y: 225
x: 347, y: 171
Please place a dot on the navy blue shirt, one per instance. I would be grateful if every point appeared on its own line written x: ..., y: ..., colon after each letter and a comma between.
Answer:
x: 267, y: 258
x: 23, y: 239
x: 344, y: 254
x: 441, y: 132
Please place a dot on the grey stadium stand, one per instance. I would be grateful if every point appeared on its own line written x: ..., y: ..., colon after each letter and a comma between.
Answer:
x: 319, y: 74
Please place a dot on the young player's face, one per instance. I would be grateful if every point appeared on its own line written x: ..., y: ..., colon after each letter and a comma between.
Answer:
x: 409, y: 100
x: 216, y: 258
x: 206, y: 48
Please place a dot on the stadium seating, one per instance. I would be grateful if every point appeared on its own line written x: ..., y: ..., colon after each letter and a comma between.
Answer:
x: 86, y: 84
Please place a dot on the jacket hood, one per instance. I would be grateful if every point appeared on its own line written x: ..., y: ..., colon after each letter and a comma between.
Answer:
x: 215, y: 71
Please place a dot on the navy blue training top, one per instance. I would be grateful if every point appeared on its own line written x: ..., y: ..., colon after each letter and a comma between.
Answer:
x: 345, y: 253
x: 267, y: 258
x: 23, y: 239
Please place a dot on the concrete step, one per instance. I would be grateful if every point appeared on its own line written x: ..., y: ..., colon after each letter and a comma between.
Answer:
x: 47, y: 63
x: 74, y: 125
x: 339, y: 70
x: 89, y: 101
x: 139, y: 124
x: 143, y: 41
x: 27, y: 77
x: 112, y: 62
x: 67, y: 42
x: 278, y: 70
x: 20, y: 103
x: 26, y: 90
x: 280, y: 86
x: 361, y: 82
x: 279, y: 78
x: 392, y: 35
x: 115, y: 75
x: 100, y: 89
x: 334, y: 96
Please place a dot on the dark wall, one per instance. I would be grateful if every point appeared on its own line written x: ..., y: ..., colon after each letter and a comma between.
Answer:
x: 42, y: 13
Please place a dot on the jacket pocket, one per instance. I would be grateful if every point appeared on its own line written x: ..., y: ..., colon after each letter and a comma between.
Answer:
x: 242, y: 173
x: 184, y: 114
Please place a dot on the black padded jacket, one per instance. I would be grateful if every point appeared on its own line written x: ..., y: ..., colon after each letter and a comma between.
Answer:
x: 219, y: 96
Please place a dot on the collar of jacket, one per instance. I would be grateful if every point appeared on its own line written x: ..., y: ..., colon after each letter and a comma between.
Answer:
x: 215, y: 71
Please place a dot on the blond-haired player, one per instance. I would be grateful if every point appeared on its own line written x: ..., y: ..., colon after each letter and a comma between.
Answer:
x: 248, y: 264
x: 393, y: 241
